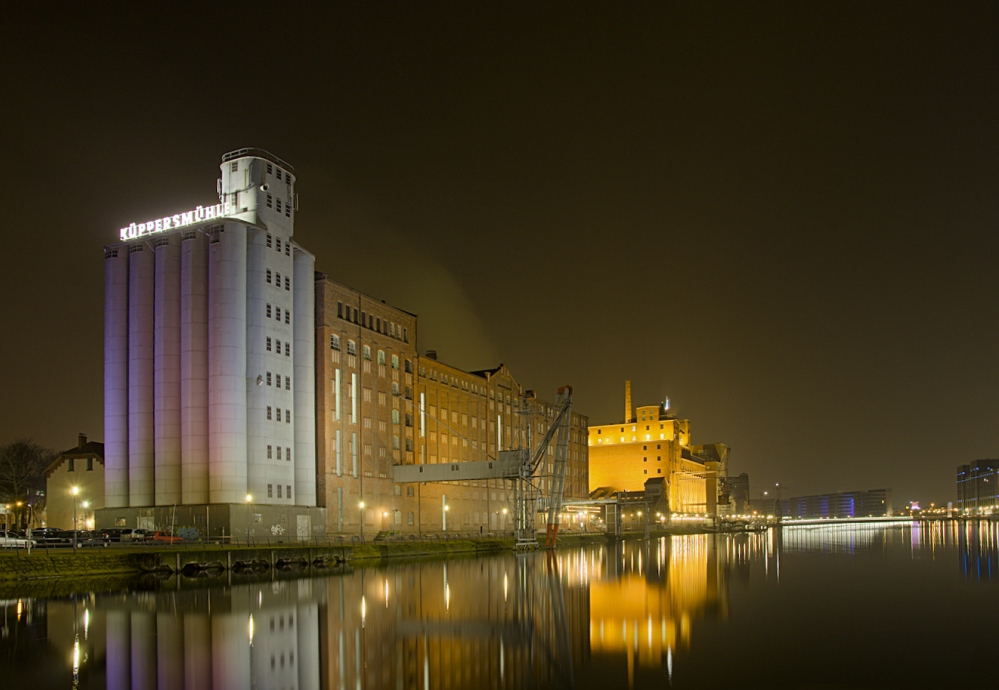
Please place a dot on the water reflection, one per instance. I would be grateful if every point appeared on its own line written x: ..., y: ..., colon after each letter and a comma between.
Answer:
x: 631, y: 614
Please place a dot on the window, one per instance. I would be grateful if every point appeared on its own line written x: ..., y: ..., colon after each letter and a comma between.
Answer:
x: 287, y: 283
x: 366, y: 352
x: 279, y: 452
x: 269, y: 275
x: 287, y: 316
x: 279, y: 491
x: 270, y: 491
x: 270, y: 241
x: 287, y: 214
x: 277, y: 279
x: 405, y: 334
x: 270, y: 169
x: 395, y: 388
x: 339, y: 310
x: 288, y: 492
x: 381, y: 357
x: 410, y: 517
x: 234, y: 166
x: 278, y: 240
x: 287, y: 350
x: 287, y: 417
x: 277, y: 313
x: 71, y: 464
x: 395, y: 442
x: 278, y: 414
x: 334, y: 342
x: 279, y: 347
x: 409, y: 367
x: 409, y: 445
x: 270, y: 452
x: 270, y: 201
x: 268, y: 412
x: 268, y: 311
x: 268, y: 378
x: 268, y: 344
x: 395, y: 361
x: 395, y: 416
x: 351, y: 347
x: 287, y: 455
x: 409, y: 492
x: 278, y: 380
x: 90, y: 465
x: 287, y: 383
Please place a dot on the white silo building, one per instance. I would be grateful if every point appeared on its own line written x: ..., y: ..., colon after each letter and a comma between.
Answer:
x: 209, y: 364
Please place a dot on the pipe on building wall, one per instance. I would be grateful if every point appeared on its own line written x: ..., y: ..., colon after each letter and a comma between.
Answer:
x: 227, y: 363
x: 194, y: 368
x: 166, y: 377
x: 141, y: 273
x: 304, y: 383
x: 116, y: 377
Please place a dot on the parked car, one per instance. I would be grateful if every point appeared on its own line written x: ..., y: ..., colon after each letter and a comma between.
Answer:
x: 51, y: 536
x: 165, y: 537
x: 111, y: 534
x: 8, y: 540
x: 135, y: 535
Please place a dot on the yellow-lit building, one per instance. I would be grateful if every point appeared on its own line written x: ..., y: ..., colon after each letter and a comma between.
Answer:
x: 651, y: 442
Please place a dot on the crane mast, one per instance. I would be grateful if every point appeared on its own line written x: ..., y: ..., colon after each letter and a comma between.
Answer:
x: 532, y: 475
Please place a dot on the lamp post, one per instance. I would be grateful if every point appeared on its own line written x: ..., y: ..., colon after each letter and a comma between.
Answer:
x: 76, y: 492
x: 444, y: 508
x: 249, y: 499
x: 360, y: 514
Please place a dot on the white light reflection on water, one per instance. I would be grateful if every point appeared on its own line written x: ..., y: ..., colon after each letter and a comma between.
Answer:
x: 669, y: 611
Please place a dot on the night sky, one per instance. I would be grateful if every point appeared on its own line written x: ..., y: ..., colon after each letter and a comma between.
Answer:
x: 780, y: 215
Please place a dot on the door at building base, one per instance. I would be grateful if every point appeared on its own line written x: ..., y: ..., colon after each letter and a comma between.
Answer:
x: 304, y: 526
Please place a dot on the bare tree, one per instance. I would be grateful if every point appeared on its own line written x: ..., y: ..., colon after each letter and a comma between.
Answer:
x: 22, y: 473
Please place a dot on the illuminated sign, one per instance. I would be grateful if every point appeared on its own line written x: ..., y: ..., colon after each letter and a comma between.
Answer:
x: 179, y: 220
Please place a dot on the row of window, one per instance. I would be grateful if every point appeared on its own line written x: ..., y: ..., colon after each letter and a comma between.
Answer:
x: 271, y: 450
x: 287, y: 415
x: 271, y: 243
x: 277, y: 347
x: 271, y: 202
x: 372, y: 322
x: 72, y: 465
x: 277, y: 381
x: 272, y: 170
x: 270, y: 491
x: 276, y: 312
x: 366, y: 353
x: 275, y: 279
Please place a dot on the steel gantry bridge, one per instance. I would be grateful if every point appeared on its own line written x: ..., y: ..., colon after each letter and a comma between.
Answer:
x: 523, y: 466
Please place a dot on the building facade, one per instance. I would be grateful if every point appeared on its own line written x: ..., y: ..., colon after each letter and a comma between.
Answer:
x: 652, y: 442
x: 381, y: 403
x: 209, y: 367
x: 844, y: 504
x: 978, y: 486
x: 80, y: 469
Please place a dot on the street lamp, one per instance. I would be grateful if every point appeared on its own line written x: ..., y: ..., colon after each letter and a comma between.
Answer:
x: 444, y: 508
x: 76, y: 492
x: 361, y: 516
x: 249, y: 499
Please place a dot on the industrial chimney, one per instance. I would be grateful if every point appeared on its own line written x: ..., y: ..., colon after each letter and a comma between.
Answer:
x: 627, y: 402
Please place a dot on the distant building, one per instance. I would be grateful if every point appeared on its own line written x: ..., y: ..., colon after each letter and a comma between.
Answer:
x: 650, y: 443
x: 82, y: 468
x: 978, y: 486
x: 848, y: 504
x: 738, y: 487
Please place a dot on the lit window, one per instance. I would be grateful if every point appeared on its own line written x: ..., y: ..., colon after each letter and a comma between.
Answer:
x: 334, y: 342
x: 381, y: 357
x: 395, y: 361
x: 366, y: 352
